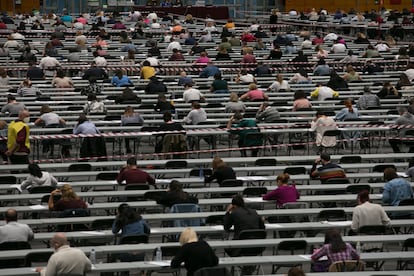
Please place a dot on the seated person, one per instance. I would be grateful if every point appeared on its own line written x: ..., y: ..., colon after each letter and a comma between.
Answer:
x: 69, y: 200
x: 221, y: 171
x: 176, y: 195
x: 284, y: 192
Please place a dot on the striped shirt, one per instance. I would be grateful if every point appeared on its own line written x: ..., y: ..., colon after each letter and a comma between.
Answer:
x: 326, y: 250
x: 328, y: 171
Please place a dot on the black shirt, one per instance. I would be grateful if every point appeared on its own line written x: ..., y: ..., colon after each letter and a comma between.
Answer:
x: 243, y: 219
x: 35, y: 73
x: 96, y: 72
x: 172, y: 197
x: 195, y: 255
x: 221, y: 174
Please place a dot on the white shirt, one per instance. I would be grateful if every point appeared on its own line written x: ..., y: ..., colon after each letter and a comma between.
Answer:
x: 155, y: 25
x: 192, y: 94
x: 153, y: 61
x: 338, y: 48
x: 151, y: 16
x: 331, y: 36
x: 248, y: 78
x: 382, y: 47
x: 174, y: 45
x: 368, y: 214
x: 100, y: 61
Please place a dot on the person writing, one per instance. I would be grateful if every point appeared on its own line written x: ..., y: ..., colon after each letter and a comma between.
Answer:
x: 221, y: 171
x: 284, y: 192
x: 132, y: 175
x: 176, y: 195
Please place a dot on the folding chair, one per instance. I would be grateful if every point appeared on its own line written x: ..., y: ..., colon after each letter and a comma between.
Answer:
x: 293, y: 247
x: 344, y: 266
x: 407, y: 245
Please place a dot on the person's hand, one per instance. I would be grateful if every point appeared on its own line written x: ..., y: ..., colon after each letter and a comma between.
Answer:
x: 317, y: 161
x: 230, y: 208
x: 38, y: 269
x: 8, y: 153
x: 55, y: 192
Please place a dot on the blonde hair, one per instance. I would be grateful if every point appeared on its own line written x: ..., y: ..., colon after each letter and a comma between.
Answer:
x: 68, y: 193
x: 252, y: 86
x: 217, y: 163
x: 187, y: 236
x: 234, y: 97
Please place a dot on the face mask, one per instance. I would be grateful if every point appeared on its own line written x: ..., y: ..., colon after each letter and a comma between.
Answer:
x: 26, y: 120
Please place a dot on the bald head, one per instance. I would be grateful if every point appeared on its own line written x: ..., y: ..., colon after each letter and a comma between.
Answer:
x: 11, y: 215
x: 24, y: 114
x: 58, y: 240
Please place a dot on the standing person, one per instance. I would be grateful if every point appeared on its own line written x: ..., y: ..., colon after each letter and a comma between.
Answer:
x: 194, y: 253
x: 132, y: 175
x: 335, y: 249
x: 367, y: 213
x: 396, y: 189
x: 368, y: 99
x: 13, y: 230
x: 176, y: 195
x: 221, y: 171
x: 18, y: 143
x: 319, y: 125
x: 349, y: 113
x: 66, y: 260
x: 37, y: 178
x: 284, y: 192
x: 327, y: 170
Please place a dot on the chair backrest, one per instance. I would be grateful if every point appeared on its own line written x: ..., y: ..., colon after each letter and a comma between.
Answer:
x: 408, y: 243
x: 292, y: 246
x: 252, y: 235
x: 137, y: 186
x: 253, y: 139
x: 176, y: 164
x: 84, y: 167
x: 350, y: 159
x: 101, y: 224
x: 112, y: 118
x: 186, y: 208
x: 337, y: 181
x: 372, y: 230
x: 231, y: 183
x: 355, y: 189
x: 74, y: 213
x: 381, y: 168
x: 174, y: 143
x: 344, y: 266
x: 332, y: 133
x: 196, y: 172
x: 294, y: 170
x: 254, y: 191
x: 265, y: 162
x: 215, y: 220
x: 406, y: 202
x: 332, y: 215
x: 106, y: 176
x: 14, y: 245
x: 154, y: 195
x: 134, y: 239
x: 8, y: 179
x: 37, y: 257
x: 212, y: 271
x: 41, y: 189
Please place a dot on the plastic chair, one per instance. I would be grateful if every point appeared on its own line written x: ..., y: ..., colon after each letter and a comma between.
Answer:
x: 168, y: 252
x: 136, y: 187
x: 344, y: 266
x: 136, y: 255
x: 355, y: 189
x: 294, y: 247
x: 8, y: 179
x: 37, y: 257
x: 254, y: 191
x: 407, y: 245
x: 182, y: 208
x: 332, y: 215
x: 331, y: 133
x: 295, y: 171
x: 373, y: 247
x: 215, y: 220
x: 212, y: 271
x: 41, y: 190
x: 13, y: 245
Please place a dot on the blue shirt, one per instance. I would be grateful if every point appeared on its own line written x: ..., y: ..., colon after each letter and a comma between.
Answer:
x: 396, y: 190
x: 135, y: 228
x: 85, y: 128
x: 209, y: 71
x: 124, y: 81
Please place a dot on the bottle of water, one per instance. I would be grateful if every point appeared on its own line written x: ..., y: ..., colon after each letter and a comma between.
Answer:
x: 92, y: 256
x: 201, y: 173
x: 358, y: 248
x: 158, y: 254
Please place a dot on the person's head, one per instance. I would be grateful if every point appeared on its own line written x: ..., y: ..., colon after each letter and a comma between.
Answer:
x: 92, y: 97
x: 10, y: 98
x: 58, y: 240
x: 188, y: 85
x: 367, y: 90
x: 296, y: 271
x: 175, y: 186
x: 132, y: 161
x: 162, y: 97
x: 303, y: 72
x: 252, y: 86
x: 24, y: 116
x: 348, y: 103
x: 10, y: 215
x: 45, y: 109
x: 217, y: 163
x: 279, y: 78
x: 146, y: 63
x: 300, y: 94
x: 234, y: 97
x: 167, y: 116
x: 390, y: 174
x: 35, y: 170
x: 82, y: 118
x: 321, y: 61
x: 217, y: 76
x: 27, y: 83
x: 3, y: 124
x: 237, y: 201
x: 325, y: 158
x: 334, y: 238
x: 119, y: 73
x: 60, y: 74
x: 363, y: 196
x: 187, y: 236
x: 402, y: 109
x: 129, y: 111
x: 320, y: 113
x: 68, y: 193
x: 121, y: 208
x: 282, y: 179
x: 196, y: 105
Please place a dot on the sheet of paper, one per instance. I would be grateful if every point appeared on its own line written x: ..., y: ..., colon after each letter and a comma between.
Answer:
x: 160, y: 263
x: 163, y: 180
x: 306, y: 257
x: 251, y: 178
x: 254, y: 199
x: 273, y: 226
x: 340, y: 223
x: 38, y: 207
x: 17, y: 186
x: 93, y: 233
x: 217, y: 227
x: 402, y: 174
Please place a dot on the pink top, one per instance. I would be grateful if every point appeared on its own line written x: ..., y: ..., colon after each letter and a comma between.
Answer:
x: 301, y: 103
x: 283, y: 194
x: 255, y: 95
x: 203, y: 60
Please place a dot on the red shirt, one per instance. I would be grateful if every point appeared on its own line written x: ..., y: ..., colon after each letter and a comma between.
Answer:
x: 3, y: 26
x: 134, y: 176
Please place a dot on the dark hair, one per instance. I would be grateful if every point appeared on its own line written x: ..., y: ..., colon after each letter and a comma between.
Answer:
x: 238, y: 201
x: 167, y: 116
x: 321, y: 61
x: 92, y: 97
x: 325, y: 156
x: 177, y: 188
x: 60, y: 74
x: 295, y: 271
x: 132, y: 161
x: 300, y: 94
x: 127, y: 216
x: 82, y: 118
x: 334, y: 238
x: 411, y: 162
x: 34, y: 170
x: 390, y: 174
x: 363, y: 196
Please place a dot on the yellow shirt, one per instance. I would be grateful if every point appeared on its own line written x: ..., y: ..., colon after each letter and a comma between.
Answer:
x: 147, y: 72
x: 12, y: 137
